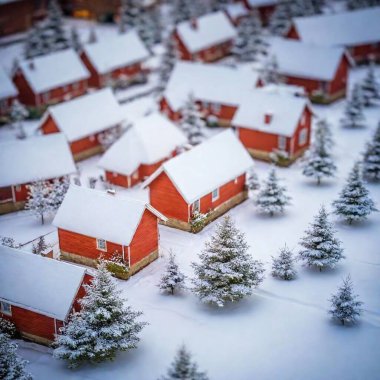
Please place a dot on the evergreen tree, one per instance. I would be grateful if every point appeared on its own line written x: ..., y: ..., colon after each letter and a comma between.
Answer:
x: 354, y: 203
x: 270, y: 72
x: 34, y: 43
x: 157, y: 26
x: 102, y: 327
x: 7, y: 328
x: 321, y: 248
x: 40, y: 247
x: 18, y: 114
x: 253, y: 182
x: 191, y: 122
x: 281, y: 17
x: 272, y: 197
x: 129, y: 15
x: 168, y: 61
x: 182, y: 10
x: 173, y: 279
x: 226, y: 271
x: 370, y: 87
x: 145, y: 28
x: 75, y: 40
x: 358, y: 4
x: 323, y: 131
x: 371, y: 159
x: 39, y: 199
x: 58, y: 191
x: 53, y: 27
x: 345, y: 306
x: 183, y: 368
x: 353, y: 112
x: 283, y: 265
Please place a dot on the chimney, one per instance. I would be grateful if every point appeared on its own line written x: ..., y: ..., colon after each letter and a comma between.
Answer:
x: 268, y: 116
x: 111, y: 191
x: 194, y: 23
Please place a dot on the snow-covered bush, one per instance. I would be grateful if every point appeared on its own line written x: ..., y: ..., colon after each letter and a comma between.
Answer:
x: 172, y: 279
x: 7, y: 327
x: 9, y: 242
x: 18, y: 114
x: 117, y: 266
x: 197, y: 221
x: 39, y: 201
x: 40, y: 247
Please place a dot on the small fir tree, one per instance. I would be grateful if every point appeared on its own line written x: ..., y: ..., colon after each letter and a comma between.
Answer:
x: 191, y: 122
x: 370, y: 87
x: 281, y: 18
x: 34, y: 43
x: 39, y: 199
x: 321, y: 248
x: 173, y: 279
x: 40, y: 247
x: 283, y: 265
x: 168, y: 61
x: 7, y: 328
x: 145, y: 28
x: 53, y: 27
x: 270, y: 74
x: 183, y: 10
x: 18, y: 114
x: 129, y: 15
x: 371, y: 158
x: 323, y: 131
x: 58, y: 191
x: 252, y: 182
x: 353, y: 112
x: 226, y: 272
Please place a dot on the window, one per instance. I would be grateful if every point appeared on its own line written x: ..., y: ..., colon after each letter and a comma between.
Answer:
x: 281, y: 142
x: 197, y: 205
x: 101, y: 244
x: 215, y: 195
x: 5, y: 308
x: 302, y: 138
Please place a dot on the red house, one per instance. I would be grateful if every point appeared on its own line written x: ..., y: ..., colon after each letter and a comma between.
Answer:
x: 141, y: 150
x: 92, y: 224
x: 8, y: 93
x: 38, y: 294
x: 84, y: 121
x: 206, y: 38
x: 29, y: 160
x: 265, y: 8
x: 116, y: 60
x: 269, y: 123
x: 51, y: 78
x: 209, y: 179
x: 358, y: 31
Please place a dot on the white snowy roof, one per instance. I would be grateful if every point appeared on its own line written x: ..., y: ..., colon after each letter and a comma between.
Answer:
x: 53, y: 70
x: 347, y: 28
x: 87, y: 114
x: 116, y: 52
x: 236, y: 10
x: 212, y: 83
x: 261, y: 3
x: 286, y: 111
x: 304, y: 60
x: 211, y: 29
x: 101, y: 215
x: 35, y: 158
x: 207, y: 166
x: 7, y: 88
x: 39, y: 284
x: 151, y: 139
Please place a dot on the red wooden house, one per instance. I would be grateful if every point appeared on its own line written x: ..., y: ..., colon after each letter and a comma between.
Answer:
x: 8, y: 93
x: 116, y: 60
x: 51, y: 78
x: 206, y: 38
x: 92, y: 224
x: 29, y: 160
x: 269, y: 123
x: 190, y: 183
x: 264, y: 8
x: 141, y: 150
x: 358, y: 31
x: 84, y: 121
x: 38, y: 294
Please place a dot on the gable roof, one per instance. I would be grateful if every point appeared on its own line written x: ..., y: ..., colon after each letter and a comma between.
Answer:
x: 86, y: 115
x: 101, y: 215
x: 148, y: 141
x: 340, y: 29
x: 206, y: 167
x: 212, y: 29
x: 286, y: 111
x: 35, y: 158
x: 45, y: 286
x: 115, y: 52
x: 53, y: 70
x: 7, y: 88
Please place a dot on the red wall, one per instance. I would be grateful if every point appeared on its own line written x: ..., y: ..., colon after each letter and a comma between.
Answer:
x: 295, y: 139
x: 292, y: 33
x: 339, y: 82
x: 362, y: 53
x: 165, y: 108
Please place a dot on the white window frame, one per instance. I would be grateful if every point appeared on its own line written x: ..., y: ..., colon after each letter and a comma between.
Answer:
x: 99, y: 243
x: 215, y: 194
x: 7, y: 310
x: 197, y: 205
x: 281, y: 143
x: 302, y: 137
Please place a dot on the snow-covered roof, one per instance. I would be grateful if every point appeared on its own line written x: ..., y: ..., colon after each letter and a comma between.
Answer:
x: 211, y: 29
x: 101, y: 215
x: 304, y: 60
x: 236, y: 10
x: 37, y: 283
x: 35, y: 158
x: 151, y: 139
x: 115, y: 52
x: 86, y: 115
x: 7, y: 88
x: 261, y: 3
x: 53, y: 70
x: 207, y: 166
x: 212, y: 83
x: 340, y: 29
x: 286, y: 111
x: 284, y: 89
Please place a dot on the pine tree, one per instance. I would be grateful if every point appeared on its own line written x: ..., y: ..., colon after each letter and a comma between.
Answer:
x: 283, y: 265
x: 371, y: 158
x: 354, y: 203
x: 183, y: 368
x: 272, y: 197
x: 145, y: 28
x: 40, y: 247
x: 270, y: 72
x: 191, y: 122
x: 323, y: 131
x: 39, y: 199
x: 281, y: 17
x: 226, y: 271
x: 168, y: 61
x: 129, y: 15
x: 321, y: 248
x: 53, y: 27
x: 345, y: 306
x: 173, y: 279
x: 34, y: 43
x: 252, y: 182
x: 182, y: 10
x: 370, y: 87
x: 102, y: 327
x: 58, y: 191
x: 7, y: 328
x: 18, y: 114
x: 157, y: 25
x: 75, y: 40
x: 353, y: 112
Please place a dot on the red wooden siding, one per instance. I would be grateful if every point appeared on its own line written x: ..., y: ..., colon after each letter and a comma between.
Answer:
x: 166, y: 109
x: 296, y: 147
x: 339, y: 82
x: 292, y: 33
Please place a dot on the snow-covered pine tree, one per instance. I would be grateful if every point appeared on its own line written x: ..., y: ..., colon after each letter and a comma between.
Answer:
x: 182, y: 10
x: 7, y: 328
x: 353, y: 112
x: 34, y: 44
x: 270, y: 72
x: 283, y: 265
x: 354, y: 203
x: 58, y: 191
x: 92, y: 37
x: 145, y: 28
x: 75, y: 40
x: 370, y: 87
x: 40, y: 247
x: 371, y: 158
x: 345, y: 306
x: 191, y: 122
x: 183, y: 368
x: 18, y: 114
x: 323, y: 131
x: 9, y: 242
x: 252, y: 182
x: 172, y: 279
x: 321, y: 248
x: 226, y: 272
x: 157, y: 25
x: 168, y: 61
x: 39, y: 199
x: 358, y: 4
x: 129, y: 15
x: 272, y: 198
x: 281, y: 17
x: 103, y: 327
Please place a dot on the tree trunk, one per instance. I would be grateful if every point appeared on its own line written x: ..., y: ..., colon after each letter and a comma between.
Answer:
x: 42, y: 219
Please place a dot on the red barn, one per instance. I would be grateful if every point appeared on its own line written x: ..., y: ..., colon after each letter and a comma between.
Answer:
x: 209, y: 178
x: 92, y: 224
x: 51, y: 78
x: 207, y: 38
x: 38, y: 294
x: 8, y: 93
x: 358, y: 31
x: 141, y: 150
x: 84, y: 121
x: 29, y: 160
x: 268, y: 123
